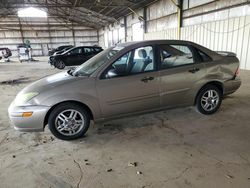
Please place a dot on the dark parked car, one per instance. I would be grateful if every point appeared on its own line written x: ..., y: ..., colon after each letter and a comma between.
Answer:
x: 59, y: 49
x: 74, y: 56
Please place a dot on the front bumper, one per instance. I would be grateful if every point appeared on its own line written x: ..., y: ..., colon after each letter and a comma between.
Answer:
x: 51, y: 62
x: 28, y: 124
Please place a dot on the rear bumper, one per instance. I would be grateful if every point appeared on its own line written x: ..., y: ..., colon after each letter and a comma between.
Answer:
x: 231, y: 86
x: 28, y: 124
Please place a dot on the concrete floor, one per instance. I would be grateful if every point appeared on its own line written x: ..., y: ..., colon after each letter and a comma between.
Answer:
x: 174, y: 148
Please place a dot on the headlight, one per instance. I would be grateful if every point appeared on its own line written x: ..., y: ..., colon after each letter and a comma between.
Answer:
x: 21, y: 99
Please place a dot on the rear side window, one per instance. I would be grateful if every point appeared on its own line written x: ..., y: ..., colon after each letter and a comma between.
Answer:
x: 98, y: 49
x: 204, y: 57
x: 88, y: 50
x: 183, y: 49
x: 175, y: 56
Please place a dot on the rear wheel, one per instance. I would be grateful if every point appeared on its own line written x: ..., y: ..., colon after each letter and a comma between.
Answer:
x: 69, y: 121
x: 209, y: 99
x: 60, y: 64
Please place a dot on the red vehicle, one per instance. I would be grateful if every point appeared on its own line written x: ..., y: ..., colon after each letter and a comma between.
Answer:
x: 5, y: 53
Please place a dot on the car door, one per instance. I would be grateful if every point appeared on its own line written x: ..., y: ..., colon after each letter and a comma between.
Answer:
x: 81, y: 57
x: 130, y: 84
x: 179, y: 74
x: 89, y: 53
x: 73, y: 56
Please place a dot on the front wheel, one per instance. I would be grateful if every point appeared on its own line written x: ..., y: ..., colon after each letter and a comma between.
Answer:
x: 209, y: 99
x: 69, y: 121
x: 60, y: 64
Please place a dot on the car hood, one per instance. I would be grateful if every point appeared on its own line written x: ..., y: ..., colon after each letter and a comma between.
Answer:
x: 56, y: 54
x: 50, y: 82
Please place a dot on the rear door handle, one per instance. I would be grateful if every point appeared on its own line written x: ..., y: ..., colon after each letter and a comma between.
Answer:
x: 146, y: 79
x: 194, y: 70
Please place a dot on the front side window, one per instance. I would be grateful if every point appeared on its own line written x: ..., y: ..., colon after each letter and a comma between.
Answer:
x: 175, y: 56
x: 97, y: 61
x: 136, y: 61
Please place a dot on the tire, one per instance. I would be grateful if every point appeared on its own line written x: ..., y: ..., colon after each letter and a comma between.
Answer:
x: 62, y: 123
x: 209, y: 100
x: 60, y: 64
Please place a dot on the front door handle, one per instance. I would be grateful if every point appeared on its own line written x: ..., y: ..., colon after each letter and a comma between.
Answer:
x: 194, y: 70
x: 146, y: 79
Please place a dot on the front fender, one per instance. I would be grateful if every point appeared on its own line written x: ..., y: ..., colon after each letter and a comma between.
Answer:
x: 88, y: 100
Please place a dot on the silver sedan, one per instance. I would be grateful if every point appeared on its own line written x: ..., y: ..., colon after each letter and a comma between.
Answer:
x: 127, y: 79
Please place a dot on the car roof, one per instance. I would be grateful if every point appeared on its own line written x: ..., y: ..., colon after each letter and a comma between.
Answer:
x: 64, y: 45
x: 136, y: 44
x: 87, y: 47
x: 126, y: 44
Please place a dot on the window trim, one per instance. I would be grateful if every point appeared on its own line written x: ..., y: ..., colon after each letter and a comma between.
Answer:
x: 200, y: 58
x: 154, y: 47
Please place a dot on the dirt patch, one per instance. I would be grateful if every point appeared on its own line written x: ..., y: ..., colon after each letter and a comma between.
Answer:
x: 16, y: 81
x: 109, y: 129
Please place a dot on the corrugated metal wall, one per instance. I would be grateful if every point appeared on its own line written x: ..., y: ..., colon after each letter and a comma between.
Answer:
x: 164, y: 34
x: 218, y: 25
x: 43, y: 34
x: 224, y: 35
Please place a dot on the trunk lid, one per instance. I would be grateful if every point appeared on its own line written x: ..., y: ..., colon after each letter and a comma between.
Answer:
x: 228, y: 54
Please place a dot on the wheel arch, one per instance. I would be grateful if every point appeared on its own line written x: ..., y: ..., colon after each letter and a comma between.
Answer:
x: 218, y: 84
x: 58, y: 60
x: 86, y: 107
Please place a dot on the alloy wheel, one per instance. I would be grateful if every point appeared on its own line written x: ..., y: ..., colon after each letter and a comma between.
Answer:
x: 210, y: 100
x: 69, y: 122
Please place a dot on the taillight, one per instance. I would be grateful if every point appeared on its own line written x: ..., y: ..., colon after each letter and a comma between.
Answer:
x: 237, y: 72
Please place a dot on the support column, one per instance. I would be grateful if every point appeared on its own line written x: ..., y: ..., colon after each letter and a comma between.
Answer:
x: 125, y: 28
x: 21, y: 30
x: 179, y: 6
x: 180, y: 18
x: 98, y: 37
x: 73, y: 35
x: 145, y: 20
x: 50, y: 40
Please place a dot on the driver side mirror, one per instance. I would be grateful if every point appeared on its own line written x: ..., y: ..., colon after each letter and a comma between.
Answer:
x: 111, y: 73
x: 117, y: 70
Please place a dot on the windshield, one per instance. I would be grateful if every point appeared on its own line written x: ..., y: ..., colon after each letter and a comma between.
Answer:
x: 67, y: 50
x: 94, y: 63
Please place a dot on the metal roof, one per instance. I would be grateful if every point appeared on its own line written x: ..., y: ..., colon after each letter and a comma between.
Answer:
x: 92, y: 13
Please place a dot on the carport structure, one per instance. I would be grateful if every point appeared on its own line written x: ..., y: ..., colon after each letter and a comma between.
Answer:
x: 96, y: 13
x: 78, y: 20
x: 172, y: 148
